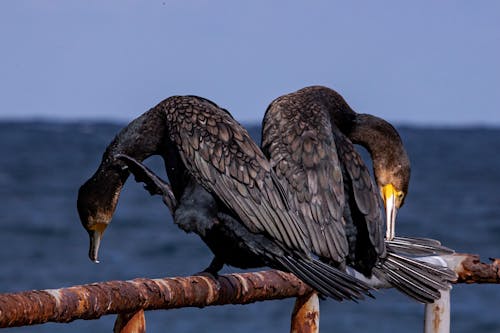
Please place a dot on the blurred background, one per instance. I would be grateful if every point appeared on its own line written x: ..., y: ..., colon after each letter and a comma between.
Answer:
x: 72, y: 74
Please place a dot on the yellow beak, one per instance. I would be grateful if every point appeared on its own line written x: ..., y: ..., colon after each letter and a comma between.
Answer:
x: 391, y: 210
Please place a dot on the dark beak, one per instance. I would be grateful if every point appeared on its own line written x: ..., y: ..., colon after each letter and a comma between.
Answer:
x: 95, y: 242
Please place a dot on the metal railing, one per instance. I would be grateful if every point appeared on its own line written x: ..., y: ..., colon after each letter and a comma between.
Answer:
x: 129, y: 299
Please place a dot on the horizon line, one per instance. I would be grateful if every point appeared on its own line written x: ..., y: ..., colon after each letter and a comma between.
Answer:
x: 256, y: 123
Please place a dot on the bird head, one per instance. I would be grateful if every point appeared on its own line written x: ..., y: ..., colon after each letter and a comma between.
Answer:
x: 393, y: 179
x: 97, y: 199
x: 391, y: 165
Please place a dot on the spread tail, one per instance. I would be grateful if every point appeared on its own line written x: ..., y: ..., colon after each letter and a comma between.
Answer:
x: 420, y: 280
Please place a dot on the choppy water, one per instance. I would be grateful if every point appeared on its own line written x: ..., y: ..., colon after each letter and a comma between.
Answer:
x: 454, y: 196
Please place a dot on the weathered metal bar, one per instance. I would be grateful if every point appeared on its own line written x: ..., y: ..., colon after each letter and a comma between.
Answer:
x: 437, y: 315
x: 95, y: 300
x: 470, y: 269
x: 98, y: 299
x: 305, y: 315
x: 130, y: 323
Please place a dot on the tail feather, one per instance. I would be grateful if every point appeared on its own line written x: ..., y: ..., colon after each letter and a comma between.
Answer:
x: 397, y: 266
x: 414, y: 281
x: 419, y: 280
x: 326, y: 279
x: 415, y: 291
x: 320, y: 286
x: 414, y: 246
x: 445, y: 273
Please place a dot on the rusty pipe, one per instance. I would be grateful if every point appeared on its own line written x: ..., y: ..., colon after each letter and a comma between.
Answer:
x: 92, y: 301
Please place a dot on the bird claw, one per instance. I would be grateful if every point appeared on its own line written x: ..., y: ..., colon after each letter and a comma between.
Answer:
x: 208, y: 274
x: 212, y: 276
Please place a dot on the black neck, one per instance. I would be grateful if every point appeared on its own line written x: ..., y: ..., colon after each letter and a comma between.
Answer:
x: 382, y: 142
x: 375, y: 134
x: 142, y: 138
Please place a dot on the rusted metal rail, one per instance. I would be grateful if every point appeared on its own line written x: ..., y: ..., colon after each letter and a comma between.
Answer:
x: 114, y: 297
x: 470, y: 269
x: 305, y: 315
x: 130, y: 298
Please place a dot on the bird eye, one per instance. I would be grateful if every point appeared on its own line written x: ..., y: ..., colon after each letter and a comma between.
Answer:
x: 400, y: 195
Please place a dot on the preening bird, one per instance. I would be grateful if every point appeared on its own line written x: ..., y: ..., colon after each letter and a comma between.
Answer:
x: 308, y: 137
x: 224, y: 188
x: 320, y: 108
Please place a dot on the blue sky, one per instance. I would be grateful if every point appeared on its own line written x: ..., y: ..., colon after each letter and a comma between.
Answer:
x: 420, y: 62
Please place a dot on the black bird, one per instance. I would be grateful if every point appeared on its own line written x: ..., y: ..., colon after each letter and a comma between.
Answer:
x: 308, y: 137
x: 224, y: 189
x: 327, y: 108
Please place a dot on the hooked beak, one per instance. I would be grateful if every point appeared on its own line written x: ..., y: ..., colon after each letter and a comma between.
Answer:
x: 95, y: 242
x: 391, y: 210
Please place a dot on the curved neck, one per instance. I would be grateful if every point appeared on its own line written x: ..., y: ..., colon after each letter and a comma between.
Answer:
x: 143, y: 137
x: 373, y: 133
x: 382, y: 142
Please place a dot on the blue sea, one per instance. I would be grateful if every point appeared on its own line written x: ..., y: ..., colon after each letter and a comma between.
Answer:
x: 454, y: 196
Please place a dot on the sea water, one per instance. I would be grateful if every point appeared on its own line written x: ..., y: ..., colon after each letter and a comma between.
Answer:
x: 454, y: 196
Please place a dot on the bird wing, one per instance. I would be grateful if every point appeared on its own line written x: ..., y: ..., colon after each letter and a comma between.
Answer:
x: 365, y: 194
x: 221, y: 156
x: 152, y: 183
x: 299, y: 143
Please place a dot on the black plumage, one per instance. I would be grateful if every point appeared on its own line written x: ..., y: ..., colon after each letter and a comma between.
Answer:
x: 308, y: 137
x: 223, y: 188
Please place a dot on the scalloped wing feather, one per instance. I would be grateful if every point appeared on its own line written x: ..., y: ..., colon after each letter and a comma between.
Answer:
x: 299, y: 145
x: 223, y: 158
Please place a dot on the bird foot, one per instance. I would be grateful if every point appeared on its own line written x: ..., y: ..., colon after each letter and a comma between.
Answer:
x: 212, y: 271
x: 208, y: 274
x: 212, y: 276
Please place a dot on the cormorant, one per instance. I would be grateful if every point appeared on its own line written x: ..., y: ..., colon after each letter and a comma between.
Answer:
x: 308, y: 137
x: 228, y: 193
x: 225, y: 188
x: 391, y: 164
